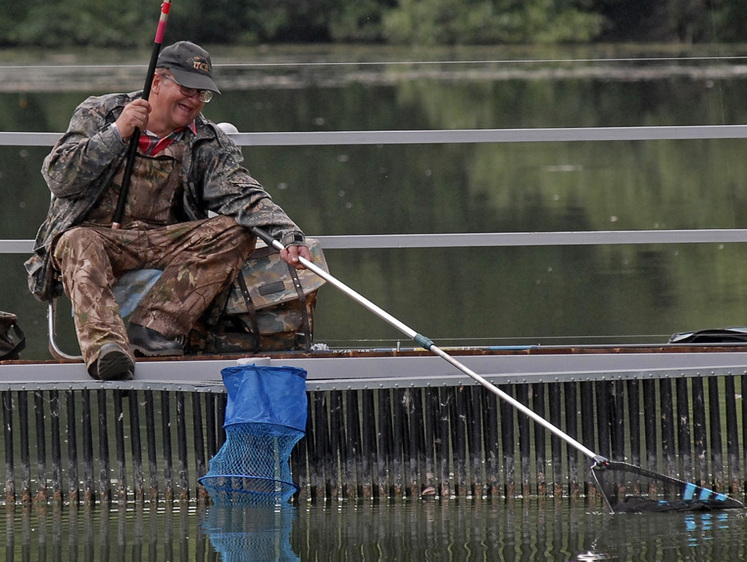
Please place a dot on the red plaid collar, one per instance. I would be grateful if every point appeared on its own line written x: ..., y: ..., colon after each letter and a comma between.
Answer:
x: 151, y: 144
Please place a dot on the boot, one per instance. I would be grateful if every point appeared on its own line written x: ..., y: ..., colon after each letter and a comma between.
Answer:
x: 151, y: 343
x: 112, y: 364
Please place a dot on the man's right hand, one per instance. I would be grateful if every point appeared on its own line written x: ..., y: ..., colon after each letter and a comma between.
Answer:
x: 133, y: 116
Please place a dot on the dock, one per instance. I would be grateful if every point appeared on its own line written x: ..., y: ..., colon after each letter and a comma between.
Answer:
x: 392, y: 424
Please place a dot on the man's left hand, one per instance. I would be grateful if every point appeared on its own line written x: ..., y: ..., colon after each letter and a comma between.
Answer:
x: 291, y: 254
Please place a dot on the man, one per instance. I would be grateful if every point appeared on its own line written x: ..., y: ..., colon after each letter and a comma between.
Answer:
x: 185, y: 167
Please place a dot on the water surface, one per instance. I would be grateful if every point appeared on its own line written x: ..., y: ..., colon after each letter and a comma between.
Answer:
x: 408, y: 530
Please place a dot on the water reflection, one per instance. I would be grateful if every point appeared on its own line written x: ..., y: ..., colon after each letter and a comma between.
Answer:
x: 259, y: 532
x: 403, y: 530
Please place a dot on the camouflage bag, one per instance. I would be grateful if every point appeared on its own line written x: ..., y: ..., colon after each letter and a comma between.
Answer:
x: 9, y: 348
x: 269, y: 307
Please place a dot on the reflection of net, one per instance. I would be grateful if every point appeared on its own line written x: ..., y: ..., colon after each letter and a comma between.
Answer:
x: 252, y: 467
x: 630, y: 488
x: 259, y: 532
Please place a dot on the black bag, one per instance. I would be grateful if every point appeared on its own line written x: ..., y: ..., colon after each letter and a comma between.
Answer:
x: 10, y: 349
x: 712, y: 335
x: 269, y: 307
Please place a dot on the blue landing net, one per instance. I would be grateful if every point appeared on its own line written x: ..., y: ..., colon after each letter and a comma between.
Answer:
x: 265, y: 417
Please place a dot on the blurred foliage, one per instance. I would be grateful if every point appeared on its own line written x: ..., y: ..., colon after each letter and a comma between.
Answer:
x: 109, y: 23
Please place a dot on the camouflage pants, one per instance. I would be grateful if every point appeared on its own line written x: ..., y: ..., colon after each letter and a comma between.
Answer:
x: 199, y: 259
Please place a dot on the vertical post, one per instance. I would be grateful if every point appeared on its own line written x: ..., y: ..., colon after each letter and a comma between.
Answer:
x: 138, y: 479
x: 181, y: 437
x: 41, y: 447
x: 73, y: 492
x: 168, y: 479
x: 667, y: 424
x: 652, y: 436
x: 509, y: 448
x: 299, y: 462
x: 384, y: 446
x: 683, y: 429
x: 150, y: 438
x: 617, y: 419
x: 414, y: 419
x: 56, y: 445
x: 443, y: 450
x: 525, y: 444
x: 120, y: 445
x: 199, y: 443
x: 337, y: 442
x: 23, y: 426
x: 699, y: 429
x: 634, y: 413
x: 398, y: 423
x: 105, y: 485
x: 491, y: 446
x: 538, y: 405
x: 352, y: 443
x: 714, y: 412
x: 459, y: 440
x: 475, y: 440
x: 603, y: 395
x: 732, y: 437
x: 88, y: 489
x: 571, y: 427
x: 322, y: 447
x: 368, y: 443
x: 430, y: 422
x: 587, y: 419
x: 556, y: 448
x: 8, y: 431
x: 211, y: 422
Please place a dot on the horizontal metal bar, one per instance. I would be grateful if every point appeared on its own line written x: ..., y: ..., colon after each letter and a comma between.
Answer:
x: 16, y: 246
x: 444, y: 136
x: 29, y: 139
x: 357, y: 372
x: 483, y: 239
x: 491, y: 135
x: 468, y: 240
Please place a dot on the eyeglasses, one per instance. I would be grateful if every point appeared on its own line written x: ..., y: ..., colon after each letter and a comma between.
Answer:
x: 203, y: 95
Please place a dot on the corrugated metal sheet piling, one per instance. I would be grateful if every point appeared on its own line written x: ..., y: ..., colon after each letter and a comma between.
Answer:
x: 134, y: 442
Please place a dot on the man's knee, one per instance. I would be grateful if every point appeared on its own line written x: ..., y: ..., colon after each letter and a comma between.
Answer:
x: 232, y: 234
x: 76, y: 242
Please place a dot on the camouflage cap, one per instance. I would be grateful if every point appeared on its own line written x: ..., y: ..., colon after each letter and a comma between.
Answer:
x: 190, y: 64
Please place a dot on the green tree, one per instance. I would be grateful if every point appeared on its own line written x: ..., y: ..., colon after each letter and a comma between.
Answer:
x: 433, y: 22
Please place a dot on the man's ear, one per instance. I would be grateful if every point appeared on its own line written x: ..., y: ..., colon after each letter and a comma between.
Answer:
x: 155, y: 86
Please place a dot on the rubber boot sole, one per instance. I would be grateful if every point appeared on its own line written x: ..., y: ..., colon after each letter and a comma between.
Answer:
x: 114, y: 364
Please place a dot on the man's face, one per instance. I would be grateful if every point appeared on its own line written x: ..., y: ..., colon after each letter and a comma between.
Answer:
x: 171, y: 104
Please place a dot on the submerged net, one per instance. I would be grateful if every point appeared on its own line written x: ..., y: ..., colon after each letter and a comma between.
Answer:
x: 265, y: 417
x: 629, y: 488
x: 252, y: 467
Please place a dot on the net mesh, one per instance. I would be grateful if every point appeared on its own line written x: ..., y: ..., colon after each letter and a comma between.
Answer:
x: 630, y: 488
x: 253, y: 465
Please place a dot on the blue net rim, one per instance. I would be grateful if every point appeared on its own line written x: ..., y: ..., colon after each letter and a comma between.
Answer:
x: 290, y: 431
x: 204, y: 481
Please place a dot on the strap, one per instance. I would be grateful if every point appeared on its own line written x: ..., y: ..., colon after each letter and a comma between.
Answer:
x: 252, y: 312
x: 304, y: 308
x: 15, y: 352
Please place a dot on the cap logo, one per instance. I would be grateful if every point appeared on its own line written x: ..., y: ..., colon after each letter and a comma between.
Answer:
x: 200, y: 64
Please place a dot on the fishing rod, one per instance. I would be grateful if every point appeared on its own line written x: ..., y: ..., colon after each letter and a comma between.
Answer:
x: 691, y: 495
x: 135, y: 139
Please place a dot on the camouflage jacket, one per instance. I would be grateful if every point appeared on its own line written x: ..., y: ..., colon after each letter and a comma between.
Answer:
x: 83, y: 162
